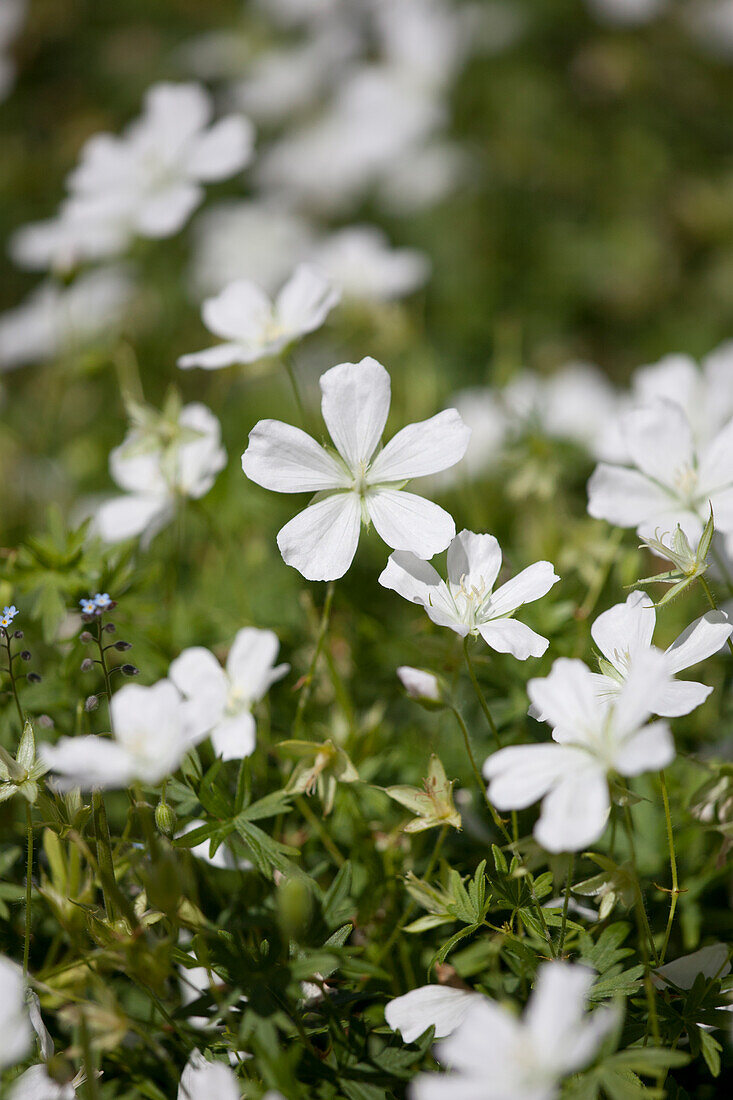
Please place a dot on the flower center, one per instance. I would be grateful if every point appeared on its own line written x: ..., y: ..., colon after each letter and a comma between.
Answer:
x: 685, y: 483
x: 470, y: 599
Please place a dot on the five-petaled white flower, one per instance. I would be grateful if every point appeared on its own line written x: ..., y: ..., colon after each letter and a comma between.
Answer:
x: 157, y: 472
x: 592, y: 737
x: 255, y: 327
x: 495, y: 1055
x: 438, y: 1006
x: 624, y: 633
x: 153, y: 729
x: 226, y: 697
x: 15, y: 1025
x: 467, y: 602
x: 362, y: 483
x: 669, y: 479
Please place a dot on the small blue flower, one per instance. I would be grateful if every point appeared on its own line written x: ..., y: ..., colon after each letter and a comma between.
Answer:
x: 8, y: 615
x: 102, y: 600
x: 88, y: 607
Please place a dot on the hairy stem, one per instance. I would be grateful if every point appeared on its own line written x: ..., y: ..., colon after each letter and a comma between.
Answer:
x: 479, y: 693
x: 28, y: 886
x: 308, y: 678
x: 672, y: 865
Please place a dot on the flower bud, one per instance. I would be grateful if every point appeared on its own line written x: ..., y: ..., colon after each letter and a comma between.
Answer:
x: 18, y: 634
x: 130, y: 670
x: 85, y: 637
x: 165, y: 819
x: 294, y: 906
x: 33, y: 678
x: 25, y: 655
x: 422, y: 686
x: 87, y: 665
x: 109, y: 628
x: 121, y: 646
x: 91, y: 703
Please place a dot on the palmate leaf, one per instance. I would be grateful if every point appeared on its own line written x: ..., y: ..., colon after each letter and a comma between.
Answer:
x: 268, y: 855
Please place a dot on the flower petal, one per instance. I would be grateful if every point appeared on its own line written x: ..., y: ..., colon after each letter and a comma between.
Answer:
x: 251, y: 662
x: 522, y: 774
x: 321, y: 541
x: 225, y: 148
x: 240, y: 312
x: 167, y: 211
x: 649, y: 750
x: 510, y: 636
x: 626, y: 629
x: 305, y: 301
x: 355, y: 404
x: 625, y: 497
x: 234, y: 737
x: 420, y: 449
x: 198, y: 675
x: 567, y: 700
x: 130, y: 515
x: 221, y: 355
x: 438, y: 1006
x: 716, y: 461
x: 415, y: 579
x: 409, y: 522
x: 679, y: 697
x: 475, y: 557
x: 699, y: 641
x: 575, y: 812
x: 659, y: 440
x: 531, y: 584
x: 91, y: 763
x: 285, y: 459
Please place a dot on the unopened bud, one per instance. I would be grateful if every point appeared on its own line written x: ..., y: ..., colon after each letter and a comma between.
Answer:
x: 85, y: 637
x: 25, y: 655
x: 165, y: 818
x: 109, y: 628
x: 87, y: 664
x: 121, y: 646
x: 424, y: 687
x: 33, y: 678
x: 130, y: 670
x: 18, y: 634
x: 91, y: 703
x: 294, y: 906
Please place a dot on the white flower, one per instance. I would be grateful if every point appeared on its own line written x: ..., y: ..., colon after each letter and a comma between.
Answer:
x: 153, y: 173
x: 467, y: 602
x: 361, y: 482
x: 481, y: 410
x: 624, y: 633
x: 202, y: 1080
x: 711, y: 21
x: 438, y: 1006
x: 361, y: 263
x: 704, y: 393
x: 256, y: 327
x: 155, y: 475
x: 259, y: 241
x: 495, y: 1055
x: 153, y: 731
x: 591, y: 738
x: 669, y: 480
x: 15, y: 1025
x: 56, y: 320
x: 84, y: 229
x: 225, y: 698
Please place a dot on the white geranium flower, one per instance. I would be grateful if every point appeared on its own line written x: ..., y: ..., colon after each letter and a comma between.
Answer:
x: 438, y: 1006
x: 254, y: 327
x: 153, y: 730
x: 361, y: 483
x: 225, y: 697
x: 84, y: 229
x: 711, y: 21
x: 591, y: 738
x: 202, y: 1080
x: 15, y: 1025
x: 36, y: 1084
x: 481, y: 410
x: 624, y: 633
x: 495, y: 1055
x: 419, y: 684
x: 467, y: 602
x: 361, y: 263
x: 669, y: 480
x: 56, y: 320
x: 704, y: 392
x: 156, y: 473
x: 258, y: 241
x: 154, y: 172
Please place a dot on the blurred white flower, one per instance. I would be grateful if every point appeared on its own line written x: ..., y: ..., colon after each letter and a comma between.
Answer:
x: 624, y: 633
x: 481, y: 410
x: 495, y: 1055
x: 711, y: 21
x: 36, y: 1084
x: 669, y: 480
x: 423, y: 176
x: 591, y: 738
x: 259, y: 241
x: 153, y: 729
x: 56, y: 320
x: 15, y: 1025
x: 438, y: 1006
x: 155, y: 473
x: 704, y: 392
x: 12, y: 15
x: 226, y: 697
x: 299, y: 13
x: 361, y: 483
x: 712, y: 961
x: 419, y: 684
x: 467, y: 602
x: 255, y: 327
x: 202, y: 1080
x: 360, y: 261
x: 427, y: 40
x: 154, y: 172
x: 83, y: 230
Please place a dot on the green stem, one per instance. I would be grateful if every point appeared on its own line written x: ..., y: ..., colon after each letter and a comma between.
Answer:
x: 411, y: 907
x: 566, y: 902
x: 479, y: 693
x: 28, y: 886
x: 290, y: 370
x: 317, y: 824
x: 711, y: 600
x: 641, y: 909
x: 104, y: 855
x: 105, y: 673
x: 643, y: 930
x: 308, y: 679
x: 672, y: 865
x: 13, y: 685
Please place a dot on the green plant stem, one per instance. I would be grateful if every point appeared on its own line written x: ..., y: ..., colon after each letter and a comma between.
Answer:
x: 711, y: 600
x: 91, y: 1088
x: 643, y: 930
x: 290, y: 371
x: 308, y: 679
x: 648, y: 938
x: 28, y: 886
x: 315, y: 822
x: 105, y: 672
x: 566, y: 902
x: 479, y: 693
x: 672, y: 865
x: 13, y: 684
x: 411, y: 906
x: 104, y: 855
